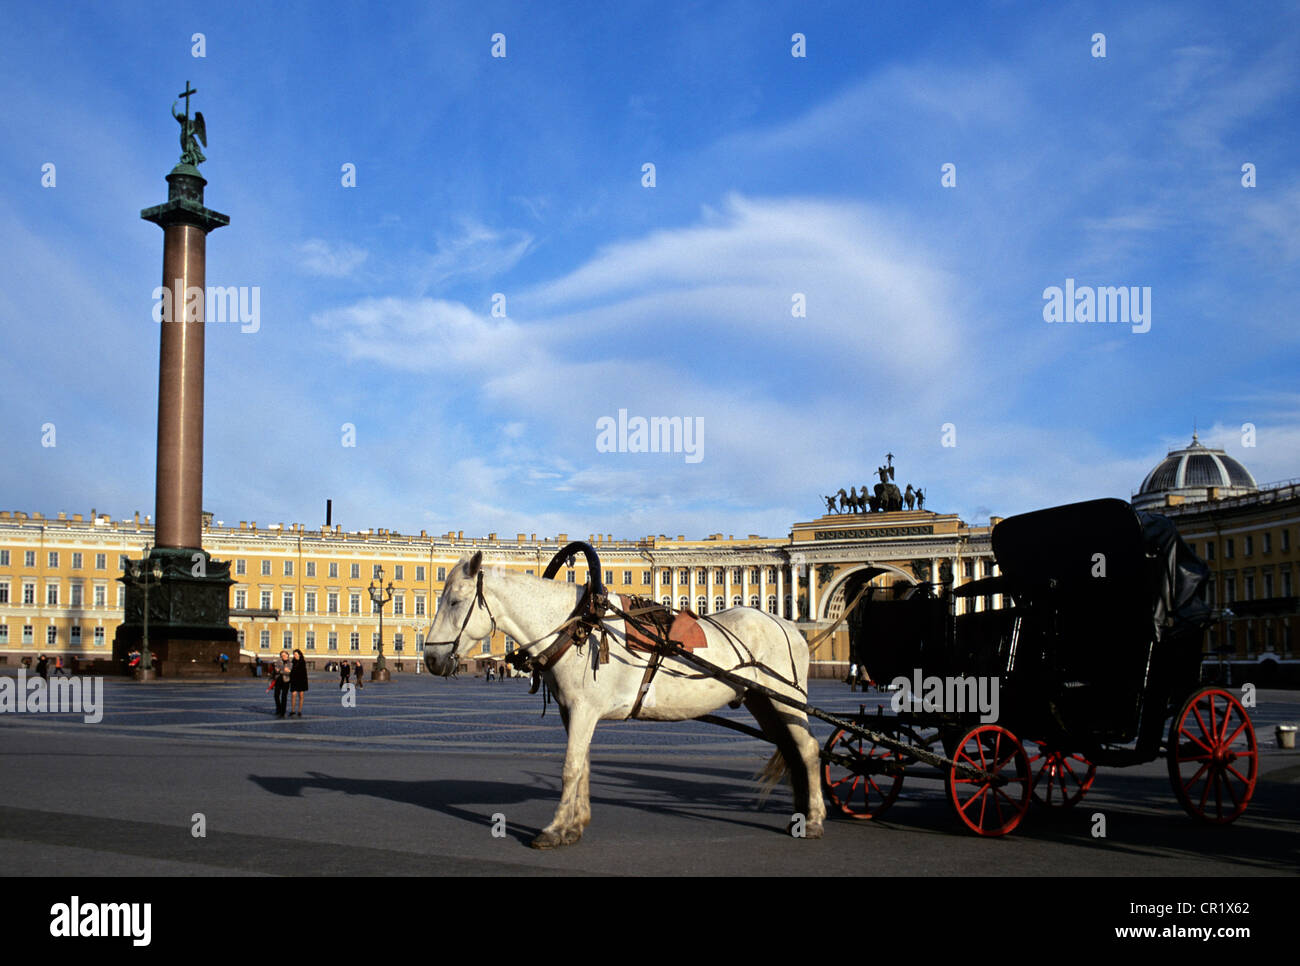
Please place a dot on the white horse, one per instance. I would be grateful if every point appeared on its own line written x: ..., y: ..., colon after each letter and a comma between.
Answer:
x: 757, y: 646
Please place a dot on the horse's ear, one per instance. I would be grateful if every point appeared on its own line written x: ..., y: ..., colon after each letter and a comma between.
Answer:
x: 475, y: 562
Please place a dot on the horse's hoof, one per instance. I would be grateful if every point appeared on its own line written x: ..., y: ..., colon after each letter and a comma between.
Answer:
x: 546, y: 840
x: 813, y: 831
x: 570, y: 836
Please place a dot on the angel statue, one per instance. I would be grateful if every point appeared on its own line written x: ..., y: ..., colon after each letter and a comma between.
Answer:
x: 193, y: 130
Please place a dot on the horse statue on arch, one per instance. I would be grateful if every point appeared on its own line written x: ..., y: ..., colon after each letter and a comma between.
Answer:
x: 760, y: 647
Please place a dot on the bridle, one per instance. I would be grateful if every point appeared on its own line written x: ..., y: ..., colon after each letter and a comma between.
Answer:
x: 478, y: 599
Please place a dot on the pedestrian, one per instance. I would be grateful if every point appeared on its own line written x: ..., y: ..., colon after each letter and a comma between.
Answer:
x: 225, y: 659
x: 359, y: 674
x: 345, y: 672
x: 43, y: 667
x: 257, y: 667
x: 76, y: 664
x: 59, y: 668
x: 297, y: 682
x: 853, y: 676
x: 280, y: 672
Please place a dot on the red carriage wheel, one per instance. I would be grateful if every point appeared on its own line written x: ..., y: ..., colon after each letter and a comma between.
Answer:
x: 995, y: 803
x: 1059, y: 779
x: 858, y: 792
x: 1213, y: 760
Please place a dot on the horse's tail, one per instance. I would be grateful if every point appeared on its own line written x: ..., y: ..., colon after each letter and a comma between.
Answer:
x: 775, y: 771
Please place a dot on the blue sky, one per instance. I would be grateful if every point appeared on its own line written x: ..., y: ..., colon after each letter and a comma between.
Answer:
x: 775, y: 175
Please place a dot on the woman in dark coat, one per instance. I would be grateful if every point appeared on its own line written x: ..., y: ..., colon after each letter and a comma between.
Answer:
x: 297, y: 683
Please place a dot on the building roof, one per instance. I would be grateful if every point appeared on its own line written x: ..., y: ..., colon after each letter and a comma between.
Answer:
x: 1190, y: 474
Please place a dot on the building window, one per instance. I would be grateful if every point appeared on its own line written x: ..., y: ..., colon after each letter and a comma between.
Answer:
x: 667, y: 602
x: 1286, y: 541
x: 1286, y: 583
x: 719, y: 603
x: 288, y: 568
x: 356, y: 571
x: 240, y: 636
x: 266, y: 568
x: 1248, y: 547
x: 52, y: 595
x: 334, y: 570
x: 76, y: 561
x: 27, y: 633
x: 399, y: 642
x: 101, y: 599
x: 1229, y: 589
x: 287, y: 641
x: 241, y: 600
x: 51, y: 636
x: 684, y: 576
x: 4, y: 558
x: 266, y: 600
x: 101, y: 561
x: 310, y: 602
x: 419, y: 574
x: 53, y: 557
x: 311, y: 568
x: 754, y: 602
x: 627, y: 577
x: 702, y: 575
x: 419, y: 605
x: 1248, y: 587
x: 286, y: 601
x: 442, y: 573
x: 701, y: 605
x: 99, y: 637
x: 572, y: 577
x: 771, y: 603
x: 265, y: 640
x: 1209, y: 550
x: 332, y: 603
x: 665, y: 578
x: 29, y: 558
x: 398, y: 571
x: 684, y: 603
x: 121, y: 597
x: 332, y: 641
x: 4, y: 592
x: 737, y: 601
x: 354, y: 641
x: 29, y: 594
x: 399, y: 604
x: 74, y: 636
x: 968, y: 569
x: 1268, y: 585
x: 354, y: 604
x: 240, y: 568
x: 311, y: 640
x: 75, y: 590
x: 720, y: 575
x: 4, y: 633
x: 1227, y: 549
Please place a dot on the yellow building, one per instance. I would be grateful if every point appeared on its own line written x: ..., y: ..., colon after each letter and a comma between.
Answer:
x: 1248, y: 534
x: 309, y: 589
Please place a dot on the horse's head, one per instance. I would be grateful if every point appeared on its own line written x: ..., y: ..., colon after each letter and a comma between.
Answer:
x: 462, y: 617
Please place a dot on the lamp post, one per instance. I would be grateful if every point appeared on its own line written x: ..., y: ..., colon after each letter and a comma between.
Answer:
x: 379, y: 596
x: 141, y: 572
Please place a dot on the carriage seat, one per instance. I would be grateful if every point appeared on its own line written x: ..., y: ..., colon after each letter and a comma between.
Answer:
x: 682, y: 627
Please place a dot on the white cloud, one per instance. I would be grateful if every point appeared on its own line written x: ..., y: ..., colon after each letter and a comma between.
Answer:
x: 319, y: 257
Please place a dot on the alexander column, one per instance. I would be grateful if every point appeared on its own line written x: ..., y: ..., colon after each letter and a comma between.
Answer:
x: 187, y: 627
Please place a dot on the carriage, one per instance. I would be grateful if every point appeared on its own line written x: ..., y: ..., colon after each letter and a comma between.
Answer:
x: 1099, y: 647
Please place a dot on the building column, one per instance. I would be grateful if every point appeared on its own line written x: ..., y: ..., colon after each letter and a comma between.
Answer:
x: 726, y: 586
x: 812, y: 591
x: 762, y: 587
x: 780, y: 590
x: 692, y: 575
x: 708, y: 588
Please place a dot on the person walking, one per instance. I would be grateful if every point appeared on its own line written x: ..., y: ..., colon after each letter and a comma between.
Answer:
x: 345, y: 672
x: 360, y: 672
x: 43, y: 667
x: 297, y: 683
x: 58, y: 666
x: 280, y: 673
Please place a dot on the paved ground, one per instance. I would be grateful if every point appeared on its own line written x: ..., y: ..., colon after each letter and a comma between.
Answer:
x: 409, y: 782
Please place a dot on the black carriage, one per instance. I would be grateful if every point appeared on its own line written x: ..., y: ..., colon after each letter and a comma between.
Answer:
x: 1097, y: 646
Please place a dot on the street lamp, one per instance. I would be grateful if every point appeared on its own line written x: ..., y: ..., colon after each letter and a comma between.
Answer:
x: 141, y: 572
x: 379, y: 596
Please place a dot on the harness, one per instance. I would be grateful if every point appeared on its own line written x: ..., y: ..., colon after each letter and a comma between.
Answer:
x: 478, y: 599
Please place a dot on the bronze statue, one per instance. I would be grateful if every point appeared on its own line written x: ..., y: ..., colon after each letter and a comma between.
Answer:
x: 910, y: 496
x: 920, y: 498
x: 193, y: 130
